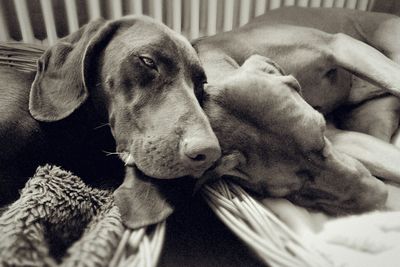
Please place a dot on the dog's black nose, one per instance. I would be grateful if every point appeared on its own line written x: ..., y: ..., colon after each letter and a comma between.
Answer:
x: 200, y: 152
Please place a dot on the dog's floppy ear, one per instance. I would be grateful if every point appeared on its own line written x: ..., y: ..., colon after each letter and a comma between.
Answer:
x: 59, y: 87
x: 142, y: 201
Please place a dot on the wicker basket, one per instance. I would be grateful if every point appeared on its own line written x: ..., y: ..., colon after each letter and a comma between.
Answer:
x: 274, y: 242
x: 141, y: 248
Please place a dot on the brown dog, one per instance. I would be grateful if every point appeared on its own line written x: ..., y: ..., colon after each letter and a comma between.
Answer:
x: 271, y: 131
x: 134, y: 75
x: 275, y: 143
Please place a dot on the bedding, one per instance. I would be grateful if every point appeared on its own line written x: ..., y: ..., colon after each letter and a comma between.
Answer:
x: 366, y: 240
x: 60, y: 221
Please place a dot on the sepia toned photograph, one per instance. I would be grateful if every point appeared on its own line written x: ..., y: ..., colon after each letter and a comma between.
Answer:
x: 199, y: 133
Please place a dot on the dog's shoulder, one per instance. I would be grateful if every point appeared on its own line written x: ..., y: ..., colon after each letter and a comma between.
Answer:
x: 16, y: 123
x: 12, y: 76
x: 14, y: 93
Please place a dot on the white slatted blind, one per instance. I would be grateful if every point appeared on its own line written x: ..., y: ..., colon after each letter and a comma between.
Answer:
x: 24, y: 21
x: 3, y: 27
x: 259, y: 7
x: 193, y: 18
x: 116, y: 8
x: 93, y: 7
x: 72, y: 15
x: 49, y: 21
x: 176, y: 15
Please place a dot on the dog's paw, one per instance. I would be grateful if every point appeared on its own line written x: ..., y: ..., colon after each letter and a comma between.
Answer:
x: 264, y: 64
x: 257, y: 64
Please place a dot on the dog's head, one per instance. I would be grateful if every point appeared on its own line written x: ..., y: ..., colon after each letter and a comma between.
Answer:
x: 145, y: 80
x: 274, y: 142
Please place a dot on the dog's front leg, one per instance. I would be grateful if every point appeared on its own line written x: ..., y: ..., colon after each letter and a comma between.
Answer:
x: 381, y: 159
x: 378, y: 117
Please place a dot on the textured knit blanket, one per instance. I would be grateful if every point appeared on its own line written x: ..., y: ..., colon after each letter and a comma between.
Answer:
x: 59, y: 221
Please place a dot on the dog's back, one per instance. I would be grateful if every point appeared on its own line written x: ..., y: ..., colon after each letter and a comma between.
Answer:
x: 14, y: 95
x: 20, y: 134
x: 331, y: 20
x: 379, y: 30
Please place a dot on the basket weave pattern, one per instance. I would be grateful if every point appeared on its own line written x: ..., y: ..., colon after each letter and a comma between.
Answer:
x: 275, y: 243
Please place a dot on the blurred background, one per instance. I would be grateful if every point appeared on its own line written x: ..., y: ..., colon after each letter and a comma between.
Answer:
x: 43, y: 21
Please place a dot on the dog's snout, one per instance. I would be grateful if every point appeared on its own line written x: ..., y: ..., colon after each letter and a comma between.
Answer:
x: 200, y: 152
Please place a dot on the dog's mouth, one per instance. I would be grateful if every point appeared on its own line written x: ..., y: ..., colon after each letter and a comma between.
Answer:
x: 130, y: 161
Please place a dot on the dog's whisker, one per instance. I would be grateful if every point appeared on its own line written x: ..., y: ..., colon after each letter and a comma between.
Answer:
x: 101, y: 126
x: 108, y: 153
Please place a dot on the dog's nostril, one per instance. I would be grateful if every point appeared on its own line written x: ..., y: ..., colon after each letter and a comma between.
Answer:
x: 197, y: 154
x: 199, y: 157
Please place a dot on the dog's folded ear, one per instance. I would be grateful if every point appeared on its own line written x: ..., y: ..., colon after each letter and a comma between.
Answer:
x: 143, y: 201
x: 60, y: 85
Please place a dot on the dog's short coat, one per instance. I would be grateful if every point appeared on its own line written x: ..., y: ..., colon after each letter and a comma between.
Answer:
x: 133, y: 76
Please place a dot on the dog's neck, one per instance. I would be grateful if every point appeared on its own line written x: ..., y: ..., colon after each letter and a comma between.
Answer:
x: 98, y: 106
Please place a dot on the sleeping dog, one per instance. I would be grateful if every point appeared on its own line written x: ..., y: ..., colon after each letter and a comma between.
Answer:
x: 130, y: 86
x: 276, y: 142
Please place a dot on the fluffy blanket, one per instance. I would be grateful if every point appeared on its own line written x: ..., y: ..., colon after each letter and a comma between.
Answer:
x: 58, y: 220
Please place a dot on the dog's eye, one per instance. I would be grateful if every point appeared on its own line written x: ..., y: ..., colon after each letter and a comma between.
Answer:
x: 149, y: 62
x: 199, y: 91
